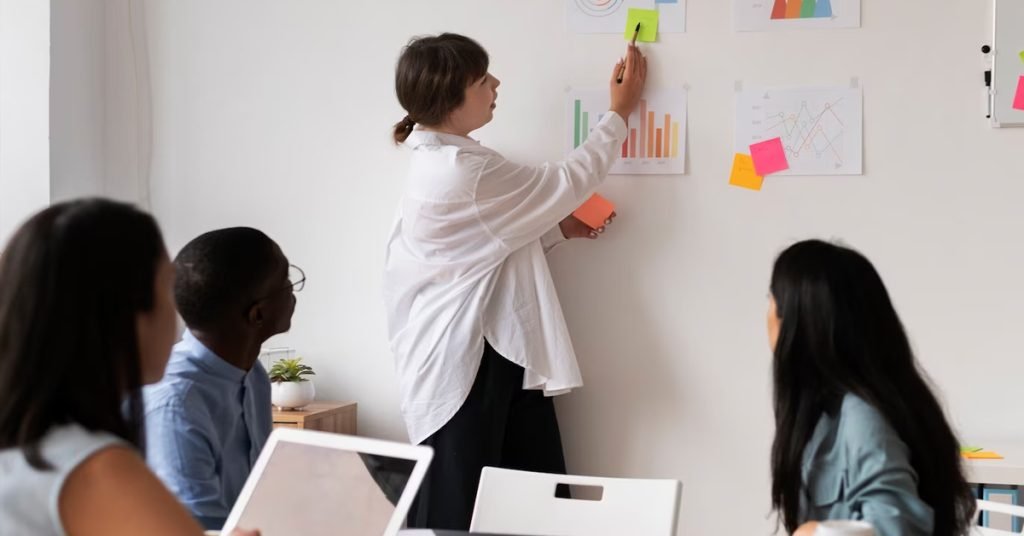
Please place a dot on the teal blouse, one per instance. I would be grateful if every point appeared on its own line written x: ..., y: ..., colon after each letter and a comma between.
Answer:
x: 856, y: 467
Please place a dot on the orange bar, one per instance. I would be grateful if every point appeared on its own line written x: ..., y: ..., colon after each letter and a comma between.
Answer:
x: 632, y: 143
x: 675, y: 140
x: 643, y: 127
x: 793, y: 9
x: 667, y: 131
x: 650, y: 134
x: 657, y: 148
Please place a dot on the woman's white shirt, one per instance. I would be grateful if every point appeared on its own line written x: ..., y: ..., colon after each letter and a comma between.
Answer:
x: 466, y: 262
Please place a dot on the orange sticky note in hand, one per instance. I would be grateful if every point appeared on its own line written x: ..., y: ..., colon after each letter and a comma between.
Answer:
x: 595, y: 211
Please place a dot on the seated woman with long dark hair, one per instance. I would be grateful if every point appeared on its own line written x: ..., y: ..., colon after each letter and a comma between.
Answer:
x: 86, y: 318
x: 859, y: 433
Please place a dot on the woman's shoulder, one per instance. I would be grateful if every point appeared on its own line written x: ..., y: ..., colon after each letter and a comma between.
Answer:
x: 860, y: 417
x: 865, y: 430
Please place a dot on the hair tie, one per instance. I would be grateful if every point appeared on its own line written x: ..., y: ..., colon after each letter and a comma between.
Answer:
x: 408, y: 121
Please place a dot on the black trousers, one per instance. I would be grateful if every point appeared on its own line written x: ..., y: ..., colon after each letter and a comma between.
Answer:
x: 499, y: 425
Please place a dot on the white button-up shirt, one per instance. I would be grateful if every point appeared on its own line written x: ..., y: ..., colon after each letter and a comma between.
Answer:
x: 465, y: 262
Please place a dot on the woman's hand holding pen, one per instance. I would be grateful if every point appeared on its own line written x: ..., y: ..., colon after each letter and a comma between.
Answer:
x: 626, y: 94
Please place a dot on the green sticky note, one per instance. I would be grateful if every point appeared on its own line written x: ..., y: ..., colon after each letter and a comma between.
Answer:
x: 1022, y: 56
x: 648, y: 19
x: 966, y: 449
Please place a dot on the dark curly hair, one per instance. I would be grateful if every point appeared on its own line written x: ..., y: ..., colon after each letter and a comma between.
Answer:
x: 219, y: 273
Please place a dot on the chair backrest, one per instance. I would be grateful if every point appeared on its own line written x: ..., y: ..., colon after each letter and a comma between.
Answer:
x: 521, y: 502
x: 1000, y: 508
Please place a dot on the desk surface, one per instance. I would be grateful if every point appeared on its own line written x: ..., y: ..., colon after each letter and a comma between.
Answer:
x: 1008, y: 472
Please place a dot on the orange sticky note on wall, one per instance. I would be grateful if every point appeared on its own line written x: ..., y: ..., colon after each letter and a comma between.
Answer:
x: 595, y: 211
x: 743, y: 174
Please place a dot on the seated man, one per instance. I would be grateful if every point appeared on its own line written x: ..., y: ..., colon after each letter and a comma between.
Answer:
x: 210, y: 416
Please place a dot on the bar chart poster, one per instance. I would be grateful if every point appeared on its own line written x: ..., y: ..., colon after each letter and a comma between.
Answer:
x: 821, y: 129
x: 780, y: 15
x: 609, y: 16
x: 656, y: 140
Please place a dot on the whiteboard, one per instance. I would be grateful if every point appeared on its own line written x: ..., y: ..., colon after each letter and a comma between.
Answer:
x: 1008, y: 66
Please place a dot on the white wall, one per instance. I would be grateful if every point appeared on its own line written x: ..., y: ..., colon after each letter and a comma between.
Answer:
x: 24, y: 111
x: 99, y: 100
x: 277, y: 114
x: 77, y: 76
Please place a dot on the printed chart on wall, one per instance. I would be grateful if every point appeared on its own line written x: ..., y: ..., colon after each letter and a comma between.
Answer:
x: 609, y: 16
x: 656, y: 144
x: 821, y: 129
x: 780, y: 15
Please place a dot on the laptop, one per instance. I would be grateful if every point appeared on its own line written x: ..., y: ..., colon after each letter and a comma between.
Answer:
x: 317, y: 483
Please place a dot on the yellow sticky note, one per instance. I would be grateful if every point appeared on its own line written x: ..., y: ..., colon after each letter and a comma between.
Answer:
x: 1022, y: 56
x: 648, y: 19
x: 743, y: 174
x: 982, y: 455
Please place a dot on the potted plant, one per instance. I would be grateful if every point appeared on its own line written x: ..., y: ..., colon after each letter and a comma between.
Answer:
x: 289, y: 388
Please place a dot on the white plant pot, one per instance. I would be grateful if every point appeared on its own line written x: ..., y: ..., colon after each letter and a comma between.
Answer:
x: 292, y: 395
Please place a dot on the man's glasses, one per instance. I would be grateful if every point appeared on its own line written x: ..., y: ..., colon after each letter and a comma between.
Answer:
x: 297, y: 278
x: 296, y: 282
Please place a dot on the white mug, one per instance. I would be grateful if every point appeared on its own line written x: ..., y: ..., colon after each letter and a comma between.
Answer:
x: 844, y: 528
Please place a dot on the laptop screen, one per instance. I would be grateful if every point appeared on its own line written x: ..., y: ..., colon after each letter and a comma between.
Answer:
x: 312, y: 490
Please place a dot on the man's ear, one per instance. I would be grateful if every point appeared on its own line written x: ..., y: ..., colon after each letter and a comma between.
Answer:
x: 256, y: 315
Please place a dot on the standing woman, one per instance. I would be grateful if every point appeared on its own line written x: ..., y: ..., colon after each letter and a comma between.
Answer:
x: 477, y: 332
x: 859, y: 434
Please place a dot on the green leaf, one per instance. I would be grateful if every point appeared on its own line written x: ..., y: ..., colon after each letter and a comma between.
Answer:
x: 290, y: 370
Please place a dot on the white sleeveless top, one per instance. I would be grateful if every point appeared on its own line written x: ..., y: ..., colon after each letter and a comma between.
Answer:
x: 29, y: 497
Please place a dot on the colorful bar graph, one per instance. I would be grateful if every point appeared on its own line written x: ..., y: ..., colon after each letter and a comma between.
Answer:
x: 661, y: 142
x: 655, y: 137
x: 802, y: 9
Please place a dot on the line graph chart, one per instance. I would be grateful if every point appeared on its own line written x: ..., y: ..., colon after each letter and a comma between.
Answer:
x: 821, y: 129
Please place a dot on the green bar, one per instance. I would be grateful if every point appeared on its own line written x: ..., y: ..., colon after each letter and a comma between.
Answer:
x: 586, y: 127
x: 576, y: 137
x: 807, y: 10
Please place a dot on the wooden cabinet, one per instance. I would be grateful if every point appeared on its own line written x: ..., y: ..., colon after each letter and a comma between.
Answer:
x: 336, y: 417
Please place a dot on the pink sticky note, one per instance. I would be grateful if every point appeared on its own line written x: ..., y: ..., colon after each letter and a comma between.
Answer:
x: 769, y: 157
x: 1018, y: 101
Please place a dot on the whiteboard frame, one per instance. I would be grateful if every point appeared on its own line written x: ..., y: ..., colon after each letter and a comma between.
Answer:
x: 1004, y: 55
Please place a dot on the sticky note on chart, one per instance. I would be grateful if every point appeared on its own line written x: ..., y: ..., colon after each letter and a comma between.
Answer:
x: 595, y: 211
x: 1018, y: 101
x: 1022, y: 56
x: 769, y: 157
x: 743, y: 174
x: 648, y: 19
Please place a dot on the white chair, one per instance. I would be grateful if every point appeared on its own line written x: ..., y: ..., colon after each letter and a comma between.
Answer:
x: 521, y: 502
x: 1000, y: 508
